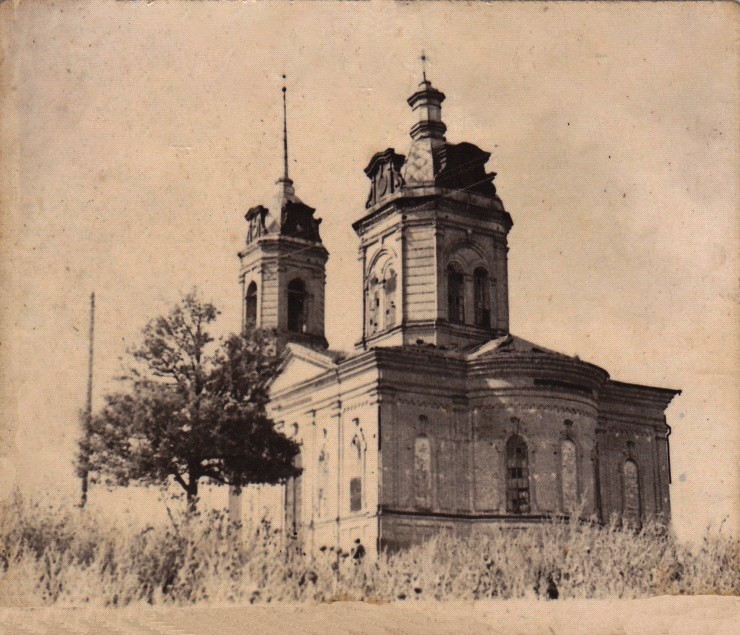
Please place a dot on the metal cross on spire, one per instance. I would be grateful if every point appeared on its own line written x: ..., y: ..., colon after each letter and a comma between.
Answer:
x: 424, y: 66
x: 285, y: 132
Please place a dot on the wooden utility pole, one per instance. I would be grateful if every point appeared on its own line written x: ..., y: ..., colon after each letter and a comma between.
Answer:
x: 88, y: 405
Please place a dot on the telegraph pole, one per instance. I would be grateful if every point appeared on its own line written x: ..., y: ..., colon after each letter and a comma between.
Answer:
x: 88, y: 405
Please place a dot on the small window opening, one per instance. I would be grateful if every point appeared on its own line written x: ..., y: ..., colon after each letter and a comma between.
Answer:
x: 355, y: 494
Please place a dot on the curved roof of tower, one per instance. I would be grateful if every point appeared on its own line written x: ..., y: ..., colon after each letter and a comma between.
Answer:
x: 431, y: 159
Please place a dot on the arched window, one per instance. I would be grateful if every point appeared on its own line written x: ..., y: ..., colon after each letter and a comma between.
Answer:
x: 297, y: 306
x: 390, y: 298
x: 517, y: 476
x: 482, y: 298
x: 630, y: 492
x: 251, y: 304
x: 569, y: 475
x: 455, y: 294
x: 423, y: 472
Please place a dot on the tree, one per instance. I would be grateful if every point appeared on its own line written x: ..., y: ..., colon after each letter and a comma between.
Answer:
x: 193, y: 409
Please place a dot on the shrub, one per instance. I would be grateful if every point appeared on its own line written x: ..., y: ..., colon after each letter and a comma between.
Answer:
x: 72, y: 557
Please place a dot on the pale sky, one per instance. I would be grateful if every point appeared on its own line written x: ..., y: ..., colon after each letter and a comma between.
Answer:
x: 147, y: 130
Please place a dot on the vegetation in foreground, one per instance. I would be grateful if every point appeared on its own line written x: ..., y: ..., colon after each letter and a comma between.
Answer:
x: 73, y: 557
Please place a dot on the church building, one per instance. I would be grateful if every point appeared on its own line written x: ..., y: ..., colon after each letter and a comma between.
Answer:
x: 441, y: 418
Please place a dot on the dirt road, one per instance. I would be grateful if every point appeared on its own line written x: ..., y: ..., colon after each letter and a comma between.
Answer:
x: 671, y: 615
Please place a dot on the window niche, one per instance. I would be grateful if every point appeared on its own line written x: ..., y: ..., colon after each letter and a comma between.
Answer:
x: 357, y: 468
x: 381, y: 298
x: 373, y: 306
x: 569, y: 475
x: 455, y: 293
x: 423, y: 472
x: 630, y: 492
x: 389, y: 287
x: 517, y: 476
x: 324, y: 477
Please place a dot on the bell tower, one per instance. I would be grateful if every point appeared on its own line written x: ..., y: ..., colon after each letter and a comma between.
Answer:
x: 433, y: 240
x: 283, y: 265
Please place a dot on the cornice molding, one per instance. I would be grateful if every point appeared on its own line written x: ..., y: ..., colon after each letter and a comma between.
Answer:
x: 373, y: 400
x: 420, y: 197
x: 611, y: 420
x: 273, y: 242
x: 518, y: 405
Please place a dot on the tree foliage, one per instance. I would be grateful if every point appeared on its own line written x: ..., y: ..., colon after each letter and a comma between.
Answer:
x: 193, y: 409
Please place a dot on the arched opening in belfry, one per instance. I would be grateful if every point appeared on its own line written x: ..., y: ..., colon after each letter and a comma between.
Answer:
x: 482, y: 295
x: 517, y: 476
x: 297, y: 306
x: 251, y: 304
x: 455, y: 293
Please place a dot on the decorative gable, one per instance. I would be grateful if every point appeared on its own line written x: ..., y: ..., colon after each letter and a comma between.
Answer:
x: 256, y: 223
x: 384, y: 170
x: 299, y: 365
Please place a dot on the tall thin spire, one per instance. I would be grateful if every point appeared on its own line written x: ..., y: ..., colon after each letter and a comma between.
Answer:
x: 285, y: 133
x: 424, y: 66
x: 286, y: 191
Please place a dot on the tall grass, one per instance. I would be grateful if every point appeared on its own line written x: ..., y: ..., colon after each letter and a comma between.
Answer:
x: 73, y: 557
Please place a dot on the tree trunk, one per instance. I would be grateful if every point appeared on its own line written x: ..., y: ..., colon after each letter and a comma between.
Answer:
x: 192, y: 494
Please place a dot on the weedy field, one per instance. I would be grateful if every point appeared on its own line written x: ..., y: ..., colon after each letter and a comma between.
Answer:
x: 74, y: 558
